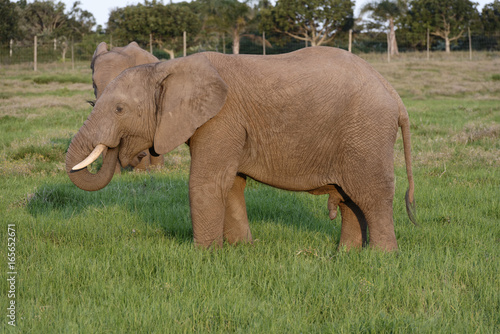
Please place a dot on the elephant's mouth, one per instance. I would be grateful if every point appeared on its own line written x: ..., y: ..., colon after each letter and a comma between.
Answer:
x: 77, y: 166
x: 123, y: 158
x: 98, y: 150
x: 132, y: 150
x: 78, y: 162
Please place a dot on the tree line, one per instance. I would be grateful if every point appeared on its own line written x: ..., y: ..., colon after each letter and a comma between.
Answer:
x: 217, y: 24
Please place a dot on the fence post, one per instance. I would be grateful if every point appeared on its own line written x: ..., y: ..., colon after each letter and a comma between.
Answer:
x: 428, y: 44
x: 350, y: 40
x: 224, y: 42
x: 55, y: 44
x: 388, y: 47
x: 470, y: 44
x: 264, y: 43
x: 35, y: 55
x: 151, y: 43
x: 184, y: 46
x: 72, y: 54
x: 11, y: 44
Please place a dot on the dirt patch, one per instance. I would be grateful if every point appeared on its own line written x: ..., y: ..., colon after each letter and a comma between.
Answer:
x: 474, y: 132
x: 18, y: 106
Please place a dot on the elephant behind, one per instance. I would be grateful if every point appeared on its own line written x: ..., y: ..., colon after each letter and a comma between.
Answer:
x: 319, y: 120
x: 107, y: 65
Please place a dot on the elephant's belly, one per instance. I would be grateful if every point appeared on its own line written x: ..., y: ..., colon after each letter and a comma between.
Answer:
x: 297, y: 172
x: 304, y: 183
x: 294, y: 150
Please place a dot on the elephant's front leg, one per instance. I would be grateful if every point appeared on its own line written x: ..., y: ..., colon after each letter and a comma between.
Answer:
x: 215, y: 191
x: 218, y: 210
x: 236, y: 227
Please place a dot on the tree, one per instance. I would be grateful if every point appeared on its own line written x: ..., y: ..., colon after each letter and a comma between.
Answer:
x: 315, y: 21
x: 387, y: 11
x: 166, y: 23
x: 9, y: 28
x: 490, y: 17
x: 447, y: 19
x: 45, y: 19
x: 80, y: 22
x: 48, y: 19
x: 229, y: 16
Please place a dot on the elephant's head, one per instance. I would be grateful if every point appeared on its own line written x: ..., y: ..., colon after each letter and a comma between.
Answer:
x: 107, y: 65
x: 155, y: 105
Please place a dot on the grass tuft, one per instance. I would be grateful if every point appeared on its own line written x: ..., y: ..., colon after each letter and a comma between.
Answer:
x: 475, y: 132
x: 61, y: 78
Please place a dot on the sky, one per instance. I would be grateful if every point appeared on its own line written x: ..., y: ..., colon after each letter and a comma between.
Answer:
x: 101, y: 8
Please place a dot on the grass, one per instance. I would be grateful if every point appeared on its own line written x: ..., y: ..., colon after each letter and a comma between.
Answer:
x: 122, y: 259
x: 44, y: 79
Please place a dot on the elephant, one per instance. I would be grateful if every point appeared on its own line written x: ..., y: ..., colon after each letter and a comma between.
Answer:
x: 107, y: 65
x: 318, y: 120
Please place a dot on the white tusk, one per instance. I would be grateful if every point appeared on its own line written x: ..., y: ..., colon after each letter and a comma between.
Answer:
x: 91, y: 158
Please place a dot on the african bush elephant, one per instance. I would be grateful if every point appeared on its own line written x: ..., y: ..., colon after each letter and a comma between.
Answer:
x: 319, y: 120
x: 107, y: 65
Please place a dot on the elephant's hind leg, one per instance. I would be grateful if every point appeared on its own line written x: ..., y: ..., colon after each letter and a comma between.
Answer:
x: 236, y: 227
x: 353, y: 230
x: 375, y: 211
x: 373, y: 214
x: 354, y: 227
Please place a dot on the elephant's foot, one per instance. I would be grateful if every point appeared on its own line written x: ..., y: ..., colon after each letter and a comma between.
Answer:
x: 209, y: 243
x: 386, y: 246
x: 383, y: 240
x: 382, y: 234
x: 118, y: 169
x: 238, y: 236
x: 140, y: 161
x: 381, y: 225
x: 157, y: 162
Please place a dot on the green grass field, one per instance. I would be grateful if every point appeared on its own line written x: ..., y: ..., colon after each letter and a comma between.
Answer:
x: 122, y: 260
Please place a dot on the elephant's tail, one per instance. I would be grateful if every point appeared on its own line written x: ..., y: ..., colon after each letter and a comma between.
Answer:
x: 404, y: 123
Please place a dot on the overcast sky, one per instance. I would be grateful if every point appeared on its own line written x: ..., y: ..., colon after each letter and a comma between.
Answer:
x: 101, y: 8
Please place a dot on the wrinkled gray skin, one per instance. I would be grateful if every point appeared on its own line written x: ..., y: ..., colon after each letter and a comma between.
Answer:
x: 107, y: 65
x: 319, y: 120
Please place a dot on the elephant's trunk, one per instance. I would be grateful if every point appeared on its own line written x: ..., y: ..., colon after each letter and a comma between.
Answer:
x: 79, y: 149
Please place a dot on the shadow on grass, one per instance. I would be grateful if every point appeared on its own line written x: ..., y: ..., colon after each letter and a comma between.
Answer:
x: 162, y: 202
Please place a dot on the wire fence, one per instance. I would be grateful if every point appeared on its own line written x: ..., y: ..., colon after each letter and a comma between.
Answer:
x: 49, y: 51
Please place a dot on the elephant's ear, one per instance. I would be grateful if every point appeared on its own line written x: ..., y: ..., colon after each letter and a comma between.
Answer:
x: 101, y: 48
x: 189, y: 93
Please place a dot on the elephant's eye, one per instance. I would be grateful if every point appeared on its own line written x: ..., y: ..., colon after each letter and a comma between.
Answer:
x: 119, y: 109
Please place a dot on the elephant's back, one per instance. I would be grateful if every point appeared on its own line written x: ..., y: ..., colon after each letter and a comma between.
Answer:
x: 321, y: 70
